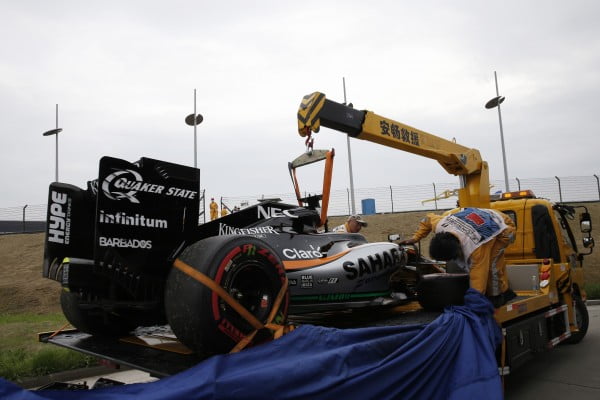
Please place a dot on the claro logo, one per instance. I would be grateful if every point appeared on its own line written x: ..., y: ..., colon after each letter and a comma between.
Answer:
x: 59, y: 224
x: 294, y: 254
x: 126, y: 183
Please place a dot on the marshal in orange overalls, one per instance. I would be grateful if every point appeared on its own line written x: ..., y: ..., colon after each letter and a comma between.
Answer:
x: 485, y: 263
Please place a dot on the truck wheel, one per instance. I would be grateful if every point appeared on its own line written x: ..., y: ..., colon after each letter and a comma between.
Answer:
x: 247, y: 268
x: 93, y: 320
x: 582, y: 318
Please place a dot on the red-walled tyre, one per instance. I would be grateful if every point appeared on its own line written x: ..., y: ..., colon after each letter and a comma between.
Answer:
x: 247, y: 268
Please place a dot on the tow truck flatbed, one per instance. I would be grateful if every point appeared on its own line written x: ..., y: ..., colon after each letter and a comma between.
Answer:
x: 525, y: 302
x: 163, y: 355
x: 157, y: 362
x: 155, y: 350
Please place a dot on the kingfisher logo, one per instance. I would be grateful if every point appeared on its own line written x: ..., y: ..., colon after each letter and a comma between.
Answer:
x: 126, y: 183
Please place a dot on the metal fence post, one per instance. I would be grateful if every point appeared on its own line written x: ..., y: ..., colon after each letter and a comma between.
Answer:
x: 597, y: 184
x: 559, y: 189
x: 518, y: 183
x: 392, y: 198
x: 24, y: 217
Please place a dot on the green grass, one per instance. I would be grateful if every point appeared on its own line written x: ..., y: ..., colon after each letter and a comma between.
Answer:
x: 18, y: 364
x: 592, y: 290
x: 22, y: 356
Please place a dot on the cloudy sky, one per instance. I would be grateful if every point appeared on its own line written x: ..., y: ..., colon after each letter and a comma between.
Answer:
x: 124, y: 72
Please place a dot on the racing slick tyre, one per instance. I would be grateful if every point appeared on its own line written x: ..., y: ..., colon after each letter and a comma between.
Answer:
x: 93, y: 319
x: 583, y: 320
x: 248, y: 269
x: 436, y: 291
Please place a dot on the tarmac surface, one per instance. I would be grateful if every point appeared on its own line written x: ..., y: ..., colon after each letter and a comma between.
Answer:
x: 566, y: 372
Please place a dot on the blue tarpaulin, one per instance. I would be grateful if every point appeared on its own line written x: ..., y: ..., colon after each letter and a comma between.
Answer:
x: 452, y: 357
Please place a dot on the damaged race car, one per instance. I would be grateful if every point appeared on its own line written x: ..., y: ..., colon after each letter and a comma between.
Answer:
x: 128, y: 251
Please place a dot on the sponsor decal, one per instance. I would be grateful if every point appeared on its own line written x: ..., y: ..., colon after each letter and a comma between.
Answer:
x: 334, y: 297
x: 292, y: 282
x: 65, y: 274
x: 121, y: 218
x: 457, y: 225
x: 306, y: 281
x: 230, y: 230
x: 125, y: 243
x: 367, y: 280
x: 179, y: 192
x: 327, y: 281
x: 373, y: 264
x: 476, y: 219
x: 230, y: 330
x: 294, y: 254
x: 273, y: 212
x: 125, y: 184
x: 249, y: 249
x: 59, y: 224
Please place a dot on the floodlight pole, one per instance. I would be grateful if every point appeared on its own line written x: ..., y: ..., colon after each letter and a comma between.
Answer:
x: 195, y: 120
x: 502, y: 136
x: 195, y: 134
x: 55, y: 132
x: 353, y: 207
x: 56, y: 145
x: 495, y: 102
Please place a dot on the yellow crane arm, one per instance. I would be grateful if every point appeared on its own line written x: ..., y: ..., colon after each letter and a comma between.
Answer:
x: 316, y: 111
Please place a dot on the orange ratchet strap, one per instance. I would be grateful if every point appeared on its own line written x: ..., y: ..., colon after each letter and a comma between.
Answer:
x: 278, y: 330
x: 62, y: 328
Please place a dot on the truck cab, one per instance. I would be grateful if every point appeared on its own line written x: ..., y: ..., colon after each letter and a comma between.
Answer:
x: 543, y: 232
x: 545, y: 269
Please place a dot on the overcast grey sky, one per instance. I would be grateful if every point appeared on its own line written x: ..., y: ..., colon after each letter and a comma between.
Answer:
x: 124, y: 73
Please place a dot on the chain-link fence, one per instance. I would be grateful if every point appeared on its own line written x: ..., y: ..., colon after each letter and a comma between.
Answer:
x: 31, y: 218
x: 435, y: 195
x: 27, y: 218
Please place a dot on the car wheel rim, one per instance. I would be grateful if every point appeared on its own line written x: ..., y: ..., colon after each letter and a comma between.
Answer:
x: 252, y: 288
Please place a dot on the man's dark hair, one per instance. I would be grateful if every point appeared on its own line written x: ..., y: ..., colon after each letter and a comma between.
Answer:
x: 444, y: 246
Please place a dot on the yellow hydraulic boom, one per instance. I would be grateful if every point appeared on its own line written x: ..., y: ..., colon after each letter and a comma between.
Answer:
x: 316, y: 111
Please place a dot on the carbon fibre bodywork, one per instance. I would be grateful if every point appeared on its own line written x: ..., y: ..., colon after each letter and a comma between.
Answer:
x: 115, y: 242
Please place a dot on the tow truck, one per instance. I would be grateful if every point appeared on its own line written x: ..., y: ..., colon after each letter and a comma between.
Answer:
x: 545, y: 267
x: 128, y: 252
